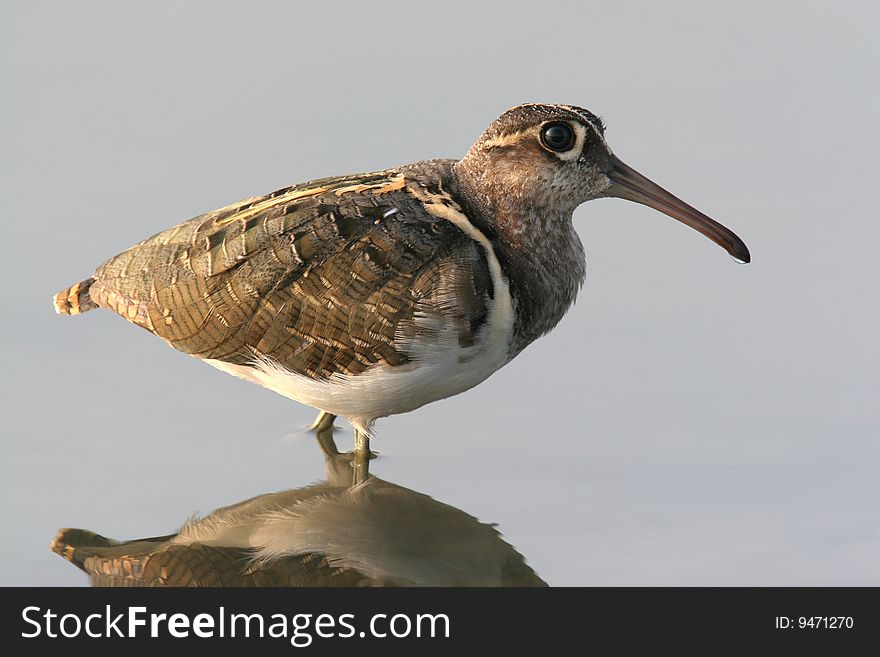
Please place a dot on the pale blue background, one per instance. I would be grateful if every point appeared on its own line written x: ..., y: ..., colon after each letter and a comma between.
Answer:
x: 691, y: 421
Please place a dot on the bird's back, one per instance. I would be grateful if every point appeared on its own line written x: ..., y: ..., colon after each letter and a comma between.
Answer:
x: 324, y: 278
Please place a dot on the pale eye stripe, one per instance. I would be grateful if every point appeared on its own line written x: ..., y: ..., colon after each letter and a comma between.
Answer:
x: 580, y: 133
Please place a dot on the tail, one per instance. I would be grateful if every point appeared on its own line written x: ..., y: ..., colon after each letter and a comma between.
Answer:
x: 77, y: 545
x: 75, y: 299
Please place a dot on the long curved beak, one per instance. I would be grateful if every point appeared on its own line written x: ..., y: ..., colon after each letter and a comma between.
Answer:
x: 628, y: 183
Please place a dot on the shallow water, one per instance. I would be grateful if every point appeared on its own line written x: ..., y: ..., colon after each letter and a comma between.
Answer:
x: 351, y: 529
x: 690, y: 422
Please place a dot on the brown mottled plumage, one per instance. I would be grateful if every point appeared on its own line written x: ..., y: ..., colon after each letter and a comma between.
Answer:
x: 313, y: 276
x: 373, y: 294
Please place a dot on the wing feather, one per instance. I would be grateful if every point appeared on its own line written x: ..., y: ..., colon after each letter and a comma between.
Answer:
x: 324, y: 277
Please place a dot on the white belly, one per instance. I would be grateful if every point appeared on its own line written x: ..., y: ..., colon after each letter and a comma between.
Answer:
x: 378, y: 392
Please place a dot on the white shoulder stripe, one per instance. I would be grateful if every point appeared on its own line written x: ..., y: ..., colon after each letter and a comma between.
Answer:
x: 444, y: 206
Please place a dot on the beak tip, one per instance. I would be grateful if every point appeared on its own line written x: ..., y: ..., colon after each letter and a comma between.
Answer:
x: 740, y: 253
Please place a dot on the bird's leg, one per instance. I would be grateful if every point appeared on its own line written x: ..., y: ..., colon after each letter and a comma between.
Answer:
x: 323, y: 428
x: 323, y: 421
x: 339, y: 466
x: 362, y: 456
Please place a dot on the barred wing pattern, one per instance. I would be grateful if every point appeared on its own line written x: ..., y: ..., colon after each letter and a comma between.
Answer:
x: 327, y: 277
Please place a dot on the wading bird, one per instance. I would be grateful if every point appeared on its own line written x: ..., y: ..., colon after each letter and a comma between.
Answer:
x: 373, y: 294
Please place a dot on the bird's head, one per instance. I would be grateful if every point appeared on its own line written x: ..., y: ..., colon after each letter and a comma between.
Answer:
x: 554, y: 157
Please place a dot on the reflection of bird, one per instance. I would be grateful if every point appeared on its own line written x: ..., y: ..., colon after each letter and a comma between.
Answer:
x: 374, y: 294
x: 329, y: 534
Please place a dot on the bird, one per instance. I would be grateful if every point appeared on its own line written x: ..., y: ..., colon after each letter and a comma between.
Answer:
x: 373, y: 294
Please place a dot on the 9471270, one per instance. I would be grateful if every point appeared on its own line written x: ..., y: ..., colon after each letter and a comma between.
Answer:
x: 814, y: 623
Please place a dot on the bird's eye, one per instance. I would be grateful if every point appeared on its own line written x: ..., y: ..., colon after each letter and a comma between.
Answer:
x: 557, y: 137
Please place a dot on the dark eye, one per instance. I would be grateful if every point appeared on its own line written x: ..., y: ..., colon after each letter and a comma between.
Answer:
x: 557, y: 136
